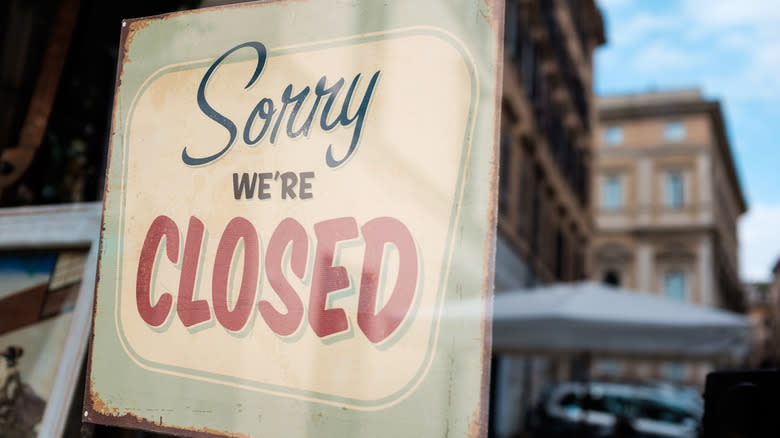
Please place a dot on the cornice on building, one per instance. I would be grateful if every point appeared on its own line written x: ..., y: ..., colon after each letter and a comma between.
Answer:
x: 594, y: 22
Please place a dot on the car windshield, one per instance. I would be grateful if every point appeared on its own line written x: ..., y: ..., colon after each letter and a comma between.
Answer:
x: 627, y: 407
x: 654, y: 410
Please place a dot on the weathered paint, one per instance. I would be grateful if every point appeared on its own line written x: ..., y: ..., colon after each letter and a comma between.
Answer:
x: 422, y: 162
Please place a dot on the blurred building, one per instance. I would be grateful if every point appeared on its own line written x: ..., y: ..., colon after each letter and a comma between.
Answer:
x: 760, y: 313
x: 545, y: 214
x: 57, y: 77
x: 667, y: 199
x: 774, y: 287
x: 772, y: 352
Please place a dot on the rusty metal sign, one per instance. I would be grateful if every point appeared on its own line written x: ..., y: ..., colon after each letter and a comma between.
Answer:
x: 299, y: 221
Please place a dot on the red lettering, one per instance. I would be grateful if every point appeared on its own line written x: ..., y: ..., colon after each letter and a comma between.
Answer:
x: 237, y: 229
x: 191, y: 312
x: 162, y: 226
x: 377, y: 326
x: 327, y: 278
x: 377, y: 319
x: 289, y: 231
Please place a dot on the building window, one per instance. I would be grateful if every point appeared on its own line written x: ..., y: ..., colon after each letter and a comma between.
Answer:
x: 609, y: 367
x: 510, y: 27
x: 503, y: 173
x: 611, y: 278
x: 560, y: 255
x: 674, y: 371
x: 674, y: 131
x: 579, y: 265
x: 674, y: 190
x: 612, y: 198
x: 613, y: 135
x: 524, y: 204
x: 675, y: 286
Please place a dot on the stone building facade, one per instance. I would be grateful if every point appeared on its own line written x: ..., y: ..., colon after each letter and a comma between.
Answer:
x: 667, y: 199
x: 771, y: 346
x: 545, y: 212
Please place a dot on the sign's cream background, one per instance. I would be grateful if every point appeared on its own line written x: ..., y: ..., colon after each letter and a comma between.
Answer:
x: 406, y: 166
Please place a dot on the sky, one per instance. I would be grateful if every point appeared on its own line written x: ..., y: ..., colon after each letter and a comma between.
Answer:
x: 730, y: 50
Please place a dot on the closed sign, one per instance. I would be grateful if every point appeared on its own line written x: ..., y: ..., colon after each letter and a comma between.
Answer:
x: 298, y: 193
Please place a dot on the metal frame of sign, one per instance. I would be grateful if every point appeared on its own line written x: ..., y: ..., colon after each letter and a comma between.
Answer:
x: 222, y: 360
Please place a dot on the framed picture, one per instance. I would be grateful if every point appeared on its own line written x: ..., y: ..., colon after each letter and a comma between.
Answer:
x: 48, y: 261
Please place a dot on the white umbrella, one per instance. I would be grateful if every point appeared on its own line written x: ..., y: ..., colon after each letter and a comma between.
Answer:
x: 566, y: 319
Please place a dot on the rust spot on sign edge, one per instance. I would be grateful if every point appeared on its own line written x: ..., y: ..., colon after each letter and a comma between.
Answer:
x: 479, y: 423
x: 98, y: 411
x: 142, y: 22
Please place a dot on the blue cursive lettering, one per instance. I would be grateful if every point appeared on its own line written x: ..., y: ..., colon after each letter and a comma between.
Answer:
x: 270, y: 115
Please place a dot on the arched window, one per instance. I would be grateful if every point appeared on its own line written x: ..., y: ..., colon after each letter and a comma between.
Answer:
x: 611, y: 277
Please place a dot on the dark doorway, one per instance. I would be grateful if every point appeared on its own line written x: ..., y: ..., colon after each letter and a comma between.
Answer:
x: 611, y: 278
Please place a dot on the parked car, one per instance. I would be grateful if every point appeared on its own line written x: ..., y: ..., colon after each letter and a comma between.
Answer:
x: 599, y: 409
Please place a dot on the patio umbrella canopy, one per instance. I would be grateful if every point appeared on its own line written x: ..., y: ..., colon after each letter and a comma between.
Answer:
x: 567, y: 319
